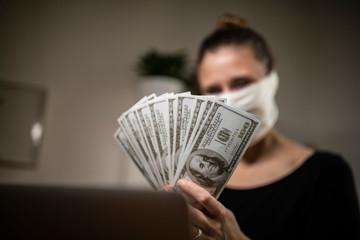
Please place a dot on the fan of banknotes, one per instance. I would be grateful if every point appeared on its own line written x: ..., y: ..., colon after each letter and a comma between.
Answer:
x: 174, y: 136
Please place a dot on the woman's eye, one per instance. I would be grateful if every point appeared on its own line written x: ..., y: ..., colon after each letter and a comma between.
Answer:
x: 240, y: 83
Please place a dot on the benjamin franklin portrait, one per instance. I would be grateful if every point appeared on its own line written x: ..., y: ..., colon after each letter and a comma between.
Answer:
x: 207, y: 168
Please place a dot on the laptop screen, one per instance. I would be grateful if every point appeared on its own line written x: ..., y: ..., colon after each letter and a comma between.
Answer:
x: 34, y: 212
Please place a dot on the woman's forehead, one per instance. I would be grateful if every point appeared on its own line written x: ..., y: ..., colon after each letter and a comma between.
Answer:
x: 228, y: 62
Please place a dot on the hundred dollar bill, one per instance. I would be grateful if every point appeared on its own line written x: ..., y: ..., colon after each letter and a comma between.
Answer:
x: 196, y: 110
x: 184, y: 104
x: 134, y: 145
x: 130, y: 121
x: 171, y: 132
x: 147, y: 126
x: 197, y: 121
x: 123, y: 141
x: 218, y: 147
x: 159, y: 109
x: 198, y: 114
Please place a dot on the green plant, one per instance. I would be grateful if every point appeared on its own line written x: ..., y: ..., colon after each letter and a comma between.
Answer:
x: 191, y: 82
x: 169, y: 64
x: 172, y: 64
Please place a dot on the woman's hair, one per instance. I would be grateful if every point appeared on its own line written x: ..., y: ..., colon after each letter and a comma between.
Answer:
x: 234, y: 30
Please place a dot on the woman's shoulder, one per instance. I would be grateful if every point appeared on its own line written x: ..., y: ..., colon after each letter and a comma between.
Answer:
x: 323, y: 155
x: 331, y: 168
x: 327, y: 161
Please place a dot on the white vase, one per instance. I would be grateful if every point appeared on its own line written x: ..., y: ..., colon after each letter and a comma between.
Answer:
x: 159, y: 85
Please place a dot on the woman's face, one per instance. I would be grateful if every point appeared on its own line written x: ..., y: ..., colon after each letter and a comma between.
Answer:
x: 229, y: 68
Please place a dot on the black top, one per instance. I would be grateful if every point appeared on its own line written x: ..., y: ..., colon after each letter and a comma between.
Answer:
x: 316, y: 201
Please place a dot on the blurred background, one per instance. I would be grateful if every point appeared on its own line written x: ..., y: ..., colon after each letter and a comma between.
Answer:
x: 83, y: 55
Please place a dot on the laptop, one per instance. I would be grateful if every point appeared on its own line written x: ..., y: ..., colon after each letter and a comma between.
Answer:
x: 43, y: 212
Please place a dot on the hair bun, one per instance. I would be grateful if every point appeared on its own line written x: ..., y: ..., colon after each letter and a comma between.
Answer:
x: 230, y: 21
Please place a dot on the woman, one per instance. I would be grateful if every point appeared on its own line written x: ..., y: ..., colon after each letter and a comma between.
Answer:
x: 280, y: 189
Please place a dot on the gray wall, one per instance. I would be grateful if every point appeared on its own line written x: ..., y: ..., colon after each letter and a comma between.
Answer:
x: 84, y: 52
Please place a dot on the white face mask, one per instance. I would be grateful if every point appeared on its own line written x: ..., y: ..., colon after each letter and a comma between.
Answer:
x: 258, y: 99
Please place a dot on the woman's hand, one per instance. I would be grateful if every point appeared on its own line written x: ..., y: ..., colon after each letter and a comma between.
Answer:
x: 214, y: 220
